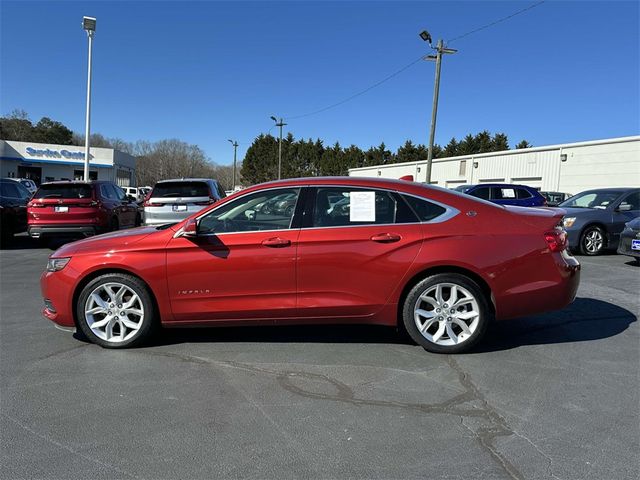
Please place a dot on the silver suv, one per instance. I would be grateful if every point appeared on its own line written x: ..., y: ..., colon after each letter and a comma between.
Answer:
x: 174, y: 200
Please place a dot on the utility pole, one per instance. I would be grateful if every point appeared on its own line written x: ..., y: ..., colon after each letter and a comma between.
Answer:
x: 279, y: 124
x: 440, y: 50
x: 235, y: 151
x: 89, y: 25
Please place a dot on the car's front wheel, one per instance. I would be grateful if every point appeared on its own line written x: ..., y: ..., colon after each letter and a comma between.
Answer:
x: 115, y: 311
x: 592, y: 241
x: 446, y: 313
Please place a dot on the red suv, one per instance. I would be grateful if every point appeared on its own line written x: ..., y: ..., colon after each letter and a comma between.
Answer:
x: 84, y: 208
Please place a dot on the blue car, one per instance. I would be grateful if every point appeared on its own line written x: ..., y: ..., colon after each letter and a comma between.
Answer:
x: 505, y: 194
x: 595, y: 218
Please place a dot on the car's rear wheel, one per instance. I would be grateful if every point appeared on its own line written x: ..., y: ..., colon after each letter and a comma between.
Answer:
x: 115, y: 311
x: 446, y: 313
x: 592, y: 241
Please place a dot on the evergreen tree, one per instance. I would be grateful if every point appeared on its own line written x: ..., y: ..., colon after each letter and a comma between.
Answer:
x: 523, y: 144
x: 452, y: 148
x: 500, y: 142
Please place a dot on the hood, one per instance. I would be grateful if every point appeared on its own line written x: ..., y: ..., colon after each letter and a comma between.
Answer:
x: 109, y: 241
x: 582, y: 212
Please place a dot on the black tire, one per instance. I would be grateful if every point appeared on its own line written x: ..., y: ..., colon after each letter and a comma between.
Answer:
x: 114, y: 224
x: 266, y: 209
x: 422, y: 287
x: 138, y: 220
x: 147, y: 324
x: 593, y: 241
x: 289, y: 211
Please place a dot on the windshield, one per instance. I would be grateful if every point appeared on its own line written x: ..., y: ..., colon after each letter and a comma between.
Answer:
x: 64, y: 190
x: 599, y: 199
x: 180, y: 189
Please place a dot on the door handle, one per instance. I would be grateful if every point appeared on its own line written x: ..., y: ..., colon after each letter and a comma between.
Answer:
x: 386, y: 238
x: 276, y: 242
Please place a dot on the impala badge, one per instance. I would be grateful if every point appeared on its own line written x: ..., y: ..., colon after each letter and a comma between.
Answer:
x: 193, y: 292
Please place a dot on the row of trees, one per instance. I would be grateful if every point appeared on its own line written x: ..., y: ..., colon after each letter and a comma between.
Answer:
x: 305, y: 158
x: 173, y: 158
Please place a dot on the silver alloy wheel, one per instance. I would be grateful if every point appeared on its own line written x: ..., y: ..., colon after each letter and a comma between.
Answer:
x: 593, y: 241
x: 114, y: 312
x: 447, y: 314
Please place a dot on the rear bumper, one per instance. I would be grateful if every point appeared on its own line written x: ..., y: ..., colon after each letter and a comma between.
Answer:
x: 624, y: 247
x: 556, y: 291
x: 37, y: 231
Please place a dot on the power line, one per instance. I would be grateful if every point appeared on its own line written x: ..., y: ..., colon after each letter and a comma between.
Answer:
x: 533, y: 5
x: 362, y: 92
x: 398, y: 72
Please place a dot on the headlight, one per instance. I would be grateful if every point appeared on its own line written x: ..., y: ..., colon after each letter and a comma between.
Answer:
x: 568, y: 222
x: 57, y: 264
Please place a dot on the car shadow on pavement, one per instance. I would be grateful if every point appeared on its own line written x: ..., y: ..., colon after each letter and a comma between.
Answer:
x: 586, y: 319
x: 25, y: 242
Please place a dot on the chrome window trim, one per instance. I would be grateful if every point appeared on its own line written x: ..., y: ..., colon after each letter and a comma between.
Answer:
x: 450, y: 212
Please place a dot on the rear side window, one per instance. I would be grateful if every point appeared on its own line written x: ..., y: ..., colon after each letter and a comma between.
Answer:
x: 64, y: 191
x: 482, y: 192
x: 523, y: 193
x: 13, y: 190
x: 344, y: 206
x: 424, y: 209
x: 180, y: 189
x: 107, y: 192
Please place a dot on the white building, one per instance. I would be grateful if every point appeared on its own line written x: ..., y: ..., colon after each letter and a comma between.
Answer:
x: 44, y: 163
x: 569, y: 168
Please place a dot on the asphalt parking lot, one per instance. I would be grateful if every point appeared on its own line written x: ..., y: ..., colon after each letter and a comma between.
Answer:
x: 551, y: 396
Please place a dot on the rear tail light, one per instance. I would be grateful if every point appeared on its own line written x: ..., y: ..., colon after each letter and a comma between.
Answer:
x: 146, y: 203
x: 35, y: 205
x: 556, y: 240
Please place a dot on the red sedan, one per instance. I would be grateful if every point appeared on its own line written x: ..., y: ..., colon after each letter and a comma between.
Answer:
x: 438, y: 263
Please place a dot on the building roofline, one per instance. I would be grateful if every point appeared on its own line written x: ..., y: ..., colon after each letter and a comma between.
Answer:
x: 633, y: 138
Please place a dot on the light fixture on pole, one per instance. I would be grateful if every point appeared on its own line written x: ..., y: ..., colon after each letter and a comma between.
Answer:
x: 279, y: 124
x: 440, y: 50
x: 235, y: 150
x: 88, y: 25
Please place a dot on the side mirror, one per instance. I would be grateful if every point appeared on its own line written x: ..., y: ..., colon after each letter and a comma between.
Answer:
x: 190, y: 228
x: 624, y: 207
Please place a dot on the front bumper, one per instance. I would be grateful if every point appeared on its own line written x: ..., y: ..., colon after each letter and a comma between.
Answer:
x: 57, y: 289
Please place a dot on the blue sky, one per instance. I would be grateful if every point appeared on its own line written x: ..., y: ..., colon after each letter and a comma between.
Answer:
x: 208, y: 71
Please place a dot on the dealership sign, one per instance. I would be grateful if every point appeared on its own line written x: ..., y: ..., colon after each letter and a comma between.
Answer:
x: 47, y: 152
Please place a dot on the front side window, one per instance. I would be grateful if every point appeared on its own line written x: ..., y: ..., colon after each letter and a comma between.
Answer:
x: 633, y: 200
x: 266, y: 210
x: 344, y: 206
x: 106, y: 192
x: 120, y: 195
x: 523, y: 193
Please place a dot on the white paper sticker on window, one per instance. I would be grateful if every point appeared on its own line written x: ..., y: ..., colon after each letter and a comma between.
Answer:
x: 508, y: 193
x: 362, y: 207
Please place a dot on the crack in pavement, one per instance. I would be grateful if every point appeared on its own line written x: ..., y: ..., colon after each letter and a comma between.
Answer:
x: 485, y: 435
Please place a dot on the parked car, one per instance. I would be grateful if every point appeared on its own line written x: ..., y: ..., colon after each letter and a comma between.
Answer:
x: 139, y: 193
x: 595, y: 218
x: 505, y: 194
x: 554, y: 198
x: 280, y: 205
x: 171, y: 201
x: 13, y: 208
x: 27, y: 183
x: 629, y: 243
x: 231, y: 264
x: 83, y: 208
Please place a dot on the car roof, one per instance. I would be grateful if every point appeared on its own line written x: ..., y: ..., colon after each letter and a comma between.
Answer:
x: 187, y: 180
x: 501, y: 185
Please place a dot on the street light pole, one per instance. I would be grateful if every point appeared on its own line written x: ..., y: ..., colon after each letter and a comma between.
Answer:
x: 235, y: 150
x: 89, y: 25
x: 279, y: 124
x: 440, y: 50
